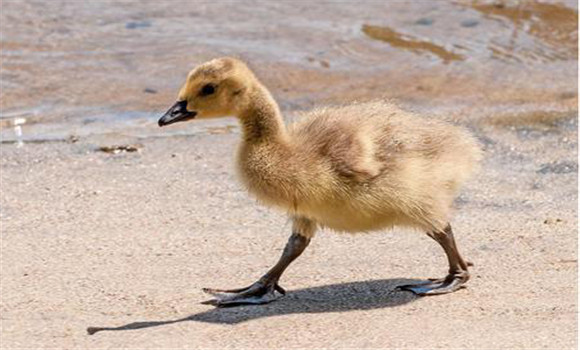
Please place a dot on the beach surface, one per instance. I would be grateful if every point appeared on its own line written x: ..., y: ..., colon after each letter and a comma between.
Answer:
x: 112, y: 224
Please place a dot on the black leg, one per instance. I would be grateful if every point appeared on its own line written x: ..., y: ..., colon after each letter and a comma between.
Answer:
x: 266, y: 289
x: 458, y: 273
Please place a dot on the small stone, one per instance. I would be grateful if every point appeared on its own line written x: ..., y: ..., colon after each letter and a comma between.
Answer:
x: 562, y: 167
x: 149, y: 91
x: 424, y: 21
x: 73, y: 139
x: 137, y: 24
x: 469, y: 23
x: 119, y: 148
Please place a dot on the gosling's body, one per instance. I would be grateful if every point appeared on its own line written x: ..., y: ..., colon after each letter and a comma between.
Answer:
x: 356, y: 168
x: 362, y: 167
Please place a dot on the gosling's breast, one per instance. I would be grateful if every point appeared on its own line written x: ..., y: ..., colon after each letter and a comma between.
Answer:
x: 350, y: 214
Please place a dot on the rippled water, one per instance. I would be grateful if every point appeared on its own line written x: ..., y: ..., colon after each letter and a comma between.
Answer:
x: 523, y: 32
x: 101, y: 67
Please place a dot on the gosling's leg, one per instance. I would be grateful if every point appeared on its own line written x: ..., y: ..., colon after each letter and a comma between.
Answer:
x: 458, y: 273
x: 266, y: 289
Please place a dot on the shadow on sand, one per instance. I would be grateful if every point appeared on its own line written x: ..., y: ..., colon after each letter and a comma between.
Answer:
x: 374, y: 294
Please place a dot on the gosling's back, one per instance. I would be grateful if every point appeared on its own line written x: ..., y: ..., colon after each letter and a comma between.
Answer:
x: 379, y: 166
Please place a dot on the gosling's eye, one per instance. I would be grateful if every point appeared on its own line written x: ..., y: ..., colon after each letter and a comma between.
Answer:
x: 207, y: 89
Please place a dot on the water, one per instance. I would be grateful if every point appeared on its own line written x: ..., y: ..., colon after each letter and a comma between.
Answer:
x: 106, y: 68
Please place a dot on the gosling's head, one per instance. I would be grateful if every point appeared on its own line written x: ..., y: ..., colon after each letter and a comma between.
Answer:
x: 217, y: 88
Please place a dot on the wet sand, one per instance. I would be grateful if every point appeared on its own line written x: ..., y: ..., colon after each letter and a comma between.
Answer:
x: 102, y: 68
x: 98, y: 237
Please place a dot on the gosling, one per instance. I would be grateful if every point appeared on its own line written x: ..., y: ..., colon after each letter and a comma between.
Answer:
x: 356, y: 168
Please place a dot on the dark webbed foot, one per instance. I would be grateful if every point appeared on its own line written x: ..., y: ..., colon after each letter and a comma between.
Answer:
x: 257, y: 293
x: 458, y: 273
x: 449, y: 284
x: 266, y: 289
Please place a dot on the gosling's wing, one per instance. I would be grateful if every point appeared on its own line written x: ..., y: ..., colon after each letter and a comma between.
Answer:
x: 341, y: 139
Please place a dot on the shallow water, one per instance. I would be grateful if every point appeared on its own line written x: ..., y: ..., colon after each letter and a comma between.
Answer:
x: 111, y: 68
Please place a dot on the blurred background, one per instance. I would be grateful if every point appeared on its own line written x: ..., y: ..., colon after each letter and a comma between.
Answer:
x: 73, y: 69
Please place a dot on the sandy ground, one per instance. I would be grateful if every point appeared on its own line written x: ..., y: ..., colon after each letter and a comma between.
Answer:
x: 128, y: 240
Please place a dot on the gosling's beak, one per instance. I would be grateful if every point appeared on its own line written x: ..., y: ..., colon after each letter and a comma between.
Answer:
x: 177, y: 113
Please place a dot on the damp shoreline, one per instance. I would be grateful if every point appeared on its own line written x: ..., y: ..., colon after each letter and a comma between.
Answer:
x: 83, y: 74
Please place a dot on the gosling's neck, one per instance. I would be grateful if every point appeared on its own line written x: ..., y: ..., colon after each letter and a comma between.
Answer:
x: 261, y: 119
